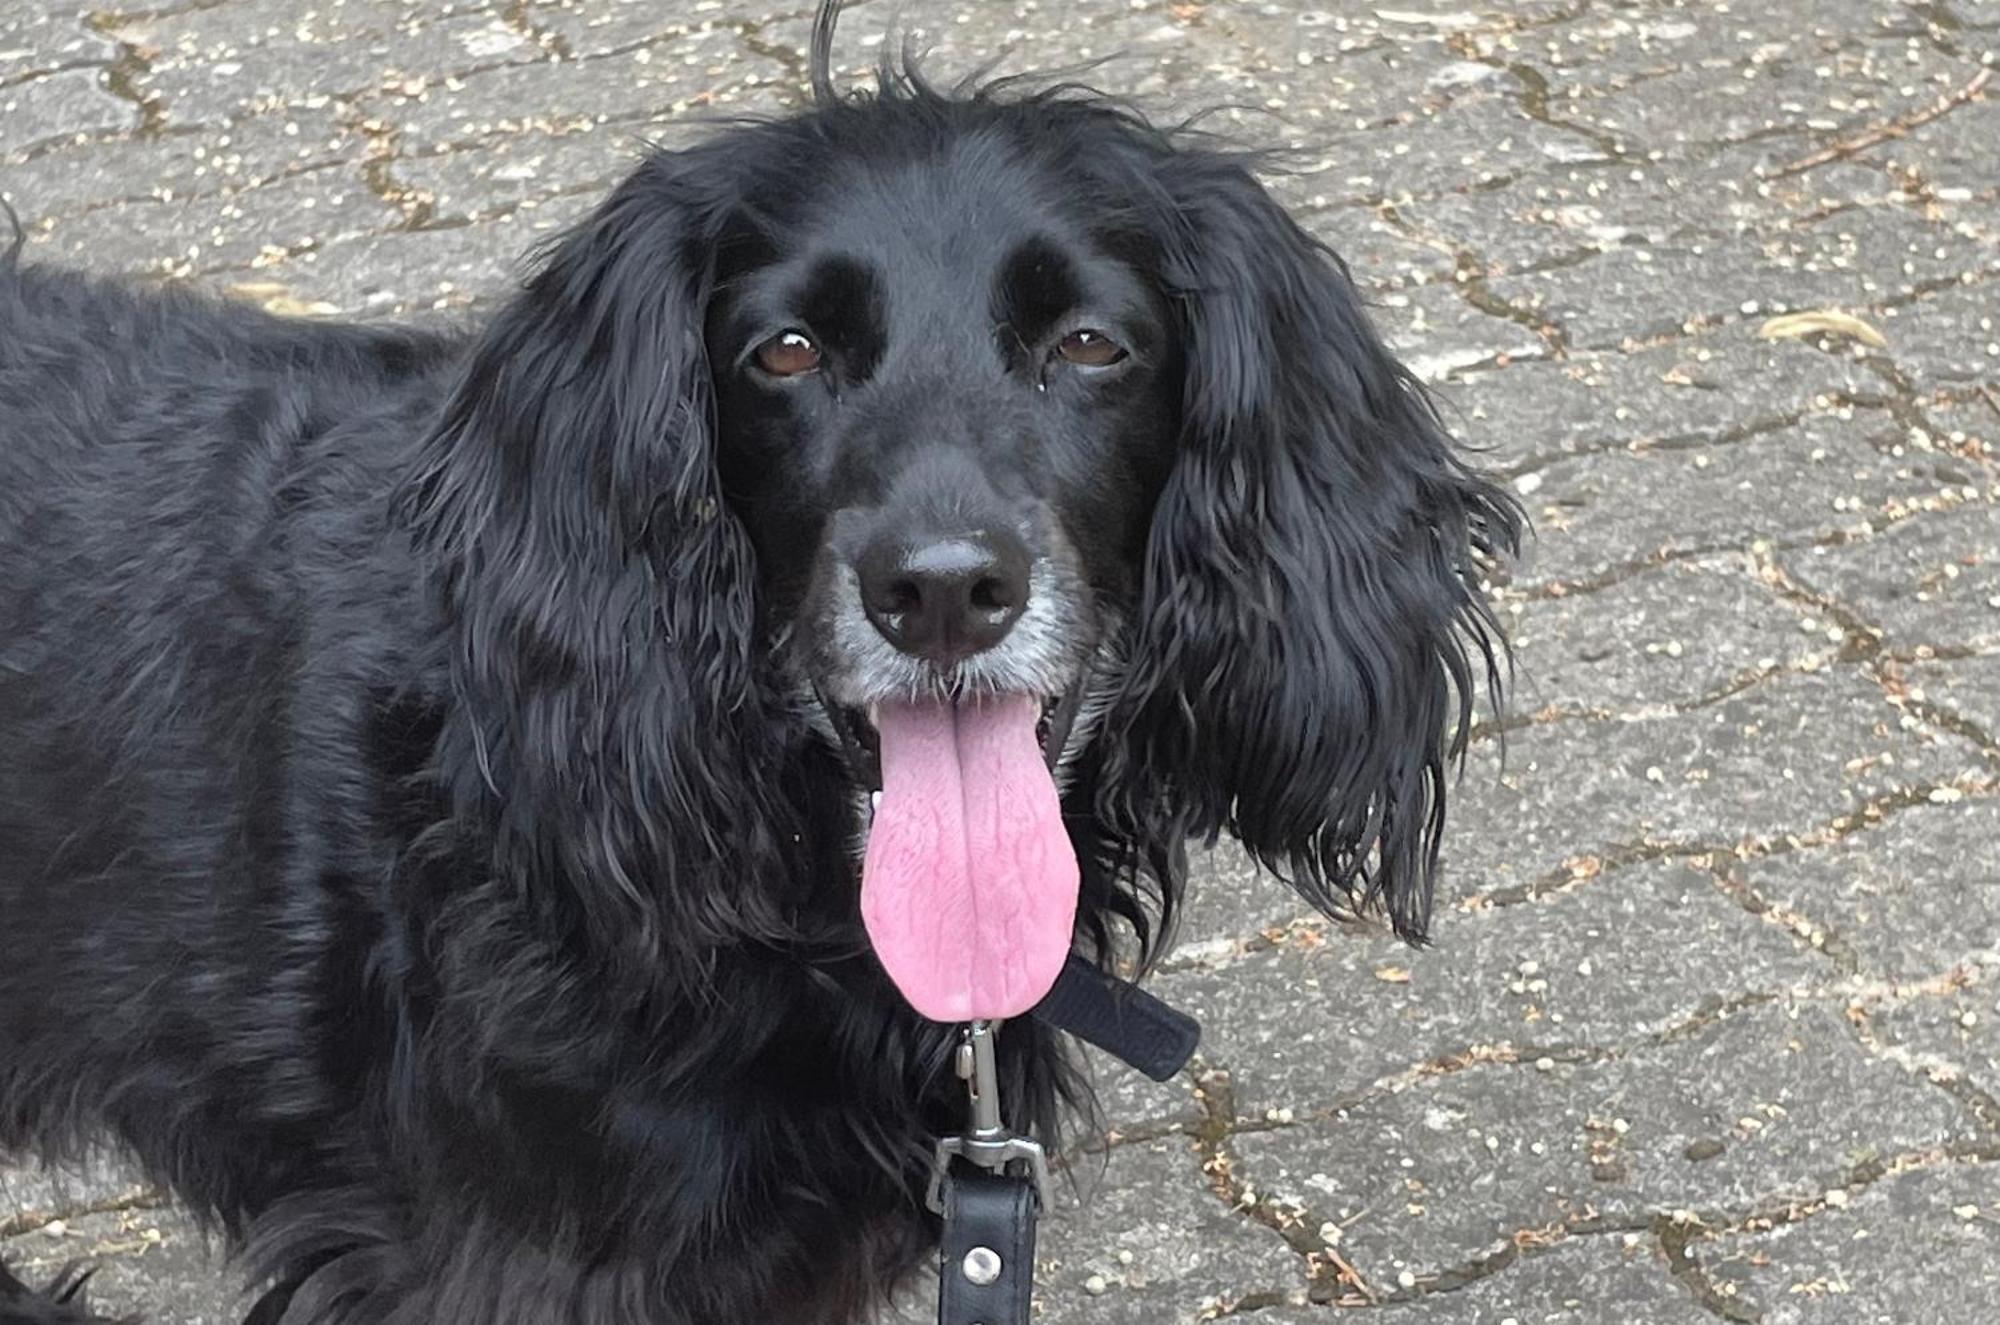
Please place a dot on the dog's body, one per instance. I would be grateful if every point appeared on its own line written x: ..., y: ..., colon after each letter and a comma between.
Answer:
x: 431, y: 769
x: 221, y: 683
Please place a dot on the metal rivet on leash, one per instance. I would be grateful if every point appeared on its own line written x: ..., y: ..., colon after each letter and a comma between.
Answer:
x: 981, y: 1265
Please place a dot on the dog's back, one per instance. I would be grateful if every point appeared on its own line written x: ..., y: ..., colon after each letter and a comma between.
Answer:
x: 190, y: 513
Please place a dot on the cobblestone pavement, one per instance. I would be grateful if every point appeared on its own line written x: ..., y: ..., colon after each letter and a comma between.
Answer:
x: 1712, y: 1026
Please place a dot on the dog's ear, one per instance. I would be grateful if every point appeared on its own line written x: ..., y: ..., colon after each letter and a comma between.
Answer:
x: 1311, y: 632
x: 607, y: 715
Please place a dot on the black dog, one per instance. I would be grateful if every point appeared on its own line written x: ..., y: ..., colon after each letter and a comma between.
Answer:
x: 434, y: 773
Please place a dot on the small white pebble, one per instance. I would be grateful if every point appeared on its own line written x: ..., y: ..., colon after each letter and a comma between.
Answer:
x: 1405, y: 1279
x: 1545, y: 1065
x: 1096, y: 1285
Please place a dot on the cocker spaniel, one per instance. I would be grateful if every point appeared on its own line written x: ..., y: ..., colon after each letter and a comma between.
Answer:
x: 514, y: 818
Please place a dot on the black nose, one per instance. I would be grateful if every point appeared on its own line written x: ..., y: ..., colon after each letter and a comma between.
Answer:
x: 944, y: 599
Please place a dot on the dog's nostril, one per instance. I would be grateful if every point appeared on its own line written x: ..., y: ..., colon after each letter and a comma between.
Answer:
x: 993, y: 594
x: 900, y: 596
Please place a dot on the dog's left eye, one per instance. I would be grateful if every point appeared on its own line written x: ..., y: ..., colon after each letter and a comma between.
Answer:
x: 1091, y: 349
x: 788, y: 354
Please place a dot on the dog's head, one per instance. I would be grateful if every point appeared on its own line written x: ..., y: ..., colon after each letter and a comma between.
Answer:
x: 992, y: 418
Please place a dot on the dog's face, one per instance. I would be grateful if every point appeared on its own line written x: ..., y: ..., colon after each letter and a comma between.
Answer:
x: 936, y: 420
x: 945, y: 411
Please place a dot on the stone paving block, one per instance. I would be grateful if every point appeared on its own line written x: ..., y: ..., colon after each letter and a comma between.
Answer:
x: 1967, y: 687
x: 1593, y: 1281
x: 1950, y: 1033
x: 1482, y: 135
x: 1673, y: 636
x: 1144, y: 1240
x: 1769, y: 1104
x: 1965, y: 420
x: 40, y: 37
x: 204, y: 232
x: 1949, y: 338
x: 1127, y: 1104
x: 1521, y: 417
x: 1953, y: 155
x: 1381, y: 257
x: 1318, y: 1016
x: 1850, y: 261
x: 1437, y: 331
x: 587, y: 29
x: 1838, y: 477
x: 434, y: 275
x: 1558, y: 216
x: 1925, y: 582
x: 1740, y: 83
x: 60, y: 105
x: 31, y: 1195
x: 1909, y: 899
x: 1921, y: 1245
x: 704, y: 71
x: 1783, y: 757
x: 1411, y: 78
x: 1180, y: 59
x: 154, y: 1261
x: 502, y: 172
x: 216, y: 64
x: 197, y: 163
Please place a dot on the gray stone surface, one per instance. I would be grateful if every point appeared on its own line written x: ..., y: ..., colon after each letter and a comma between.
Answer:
x: 1497, y: 1149
x: 1904, y: 899
x: 1143, y: 1237
x: 1708, y: 1031
x: 1922, y: 1245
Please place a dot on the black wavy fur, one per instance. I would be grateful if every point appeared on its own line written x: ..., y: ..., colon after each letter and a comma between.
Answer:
x: 409, y: 849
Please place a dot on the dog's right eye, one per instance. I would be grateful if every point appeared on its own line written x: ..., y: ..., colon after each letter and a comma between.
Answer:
x: 1090, y: 348
x: 788, y: 354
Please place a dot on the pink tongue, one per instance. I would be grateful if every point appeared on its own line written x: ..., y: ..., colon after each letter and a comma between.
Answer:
x: 969, y: 888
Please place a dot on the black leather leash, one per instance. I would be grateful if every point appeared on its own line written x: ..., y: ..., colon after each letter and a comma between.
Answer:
x: 990, y: 1184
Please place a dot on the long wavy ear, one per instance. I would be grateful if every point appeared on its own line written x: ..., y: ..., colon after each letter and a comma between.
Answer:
x: 607, y: 715
x: 1311, y: 631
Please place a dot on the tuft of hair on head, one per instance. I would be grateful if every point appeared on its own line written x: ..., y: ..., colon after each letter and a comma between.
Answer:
x: 819, y: 62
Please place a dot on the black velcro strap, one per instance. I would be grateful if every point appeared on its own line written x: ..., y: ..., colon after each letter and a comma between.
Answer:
x: 1120, y: 1018
x: 987, y: 1272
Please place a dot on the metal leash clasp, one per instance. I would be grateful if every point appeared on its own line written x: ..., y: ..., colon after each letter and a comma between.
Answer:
x: 988, y: 1144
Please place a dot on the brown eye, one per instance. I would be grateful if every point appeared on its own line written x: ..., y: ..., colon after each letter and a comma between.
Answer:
x: 1092, y: 349
x: 788, y: 354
